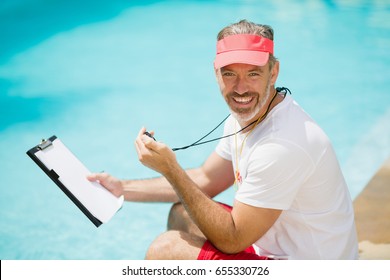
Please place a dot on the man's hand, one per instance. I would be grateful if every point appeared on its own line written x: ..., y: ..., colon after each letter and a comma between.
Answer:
x: 154, y: 155
x: 114, y: 185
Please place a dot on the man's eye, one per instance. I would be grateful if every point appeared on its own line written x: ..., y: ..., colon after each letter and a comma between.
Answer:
x: 227, y: 74
x: 253, y: 74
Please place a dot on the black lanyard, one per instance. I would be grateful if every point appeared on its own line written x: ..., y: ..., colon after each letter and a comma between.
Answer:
x: 283, y: 90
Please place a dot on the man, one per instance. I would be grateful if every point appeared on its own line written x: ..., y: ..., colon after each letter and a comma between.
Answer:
x: 291, y: 201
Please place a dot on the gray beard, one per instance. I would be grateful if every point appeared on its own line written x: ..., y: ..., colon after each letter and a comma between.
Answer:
x: 246, y: 118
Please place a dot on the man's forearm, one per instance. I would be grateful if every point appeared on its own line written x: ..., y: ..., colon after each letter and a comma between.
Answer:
x: 149, y: 190
x: 157, y: 189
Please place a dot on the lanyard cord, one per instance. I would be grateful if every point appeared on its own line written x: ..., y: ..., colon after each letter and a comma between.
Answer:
x: 284, y: 90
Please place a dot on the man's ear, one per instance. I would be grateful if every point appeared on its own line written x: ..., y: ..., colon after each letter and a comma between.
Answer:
x: 274, y: 73
x: 217, y: 75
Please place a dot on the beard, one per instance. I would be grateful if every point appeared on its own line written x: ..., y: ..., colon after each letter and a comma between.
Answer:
x: 245, y: 115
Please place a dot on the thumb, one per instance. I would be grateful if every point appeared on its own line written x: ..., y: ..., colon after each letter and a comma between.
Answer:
x: 149, y: 142
x: 92, y: 177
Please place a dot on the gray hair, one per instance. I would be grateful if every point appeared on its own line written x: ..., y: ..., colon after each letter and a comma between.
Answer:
x: 247, y: 27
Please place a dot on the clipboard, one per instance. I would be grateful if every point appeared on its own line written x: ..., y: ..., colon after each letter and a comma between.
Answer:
x: 69, y: 174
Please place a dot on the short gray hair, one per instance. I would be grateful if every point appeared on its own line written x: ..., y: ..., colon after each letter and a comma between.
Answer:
x: 247, y: 27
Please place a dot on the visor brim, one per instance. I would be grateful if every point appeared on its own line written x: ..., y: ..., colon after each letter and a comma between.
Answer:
x: 241, y: 56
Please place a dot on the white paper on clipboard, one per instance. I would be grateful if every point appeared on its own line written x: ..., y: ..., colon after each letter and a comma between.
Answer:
x: 72, y: 173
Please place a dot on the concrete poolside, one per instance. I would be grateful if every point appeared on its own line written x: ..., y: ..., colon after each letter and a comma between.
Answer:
x: 372, y: 215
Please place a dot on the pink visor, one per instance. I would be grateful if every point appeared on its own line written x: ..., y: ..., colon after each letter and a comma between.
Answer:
x: 243, y: 48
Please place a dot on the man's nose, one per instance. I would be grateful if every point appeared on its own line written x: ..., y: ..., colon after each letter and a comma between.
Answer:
x: 241, y: 86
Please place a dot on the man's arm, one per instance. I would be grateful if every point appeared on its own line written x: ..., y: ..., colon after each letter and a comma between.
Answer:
x: 213, y: 177
x: 229, y: 232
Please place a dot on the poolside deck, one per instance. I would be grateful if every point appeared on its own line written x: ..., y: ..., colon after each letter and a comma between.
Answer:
x: 372, y: 215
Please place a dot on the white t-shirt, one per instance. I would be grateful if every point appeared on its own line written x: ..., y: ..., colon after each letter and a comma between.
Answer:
x: 288, y: 163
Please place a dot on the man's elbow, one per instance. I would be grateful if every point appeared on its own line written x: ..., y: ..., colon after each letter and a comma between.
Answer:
x: 230, y: 247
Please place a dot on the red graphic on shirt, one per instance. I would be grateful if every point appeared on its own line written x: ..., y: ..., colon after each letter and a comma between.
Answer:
x: 238, y: 177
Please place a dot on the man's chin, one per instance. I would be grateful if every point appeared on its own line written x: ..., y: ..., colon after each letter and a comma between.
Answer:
x: 243, y: 118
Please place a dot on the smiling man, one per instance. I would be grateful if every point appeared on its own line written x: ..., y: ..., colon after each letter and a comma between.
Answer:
x: 291, y: 201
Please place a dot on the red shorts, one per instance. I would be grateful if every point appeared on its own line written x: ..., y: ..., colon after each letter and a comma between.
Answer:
x: 209, y: 252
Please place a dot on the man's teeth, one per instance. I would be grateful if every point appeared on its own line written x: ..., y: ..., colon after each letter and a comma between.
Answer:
x: 242, y: 99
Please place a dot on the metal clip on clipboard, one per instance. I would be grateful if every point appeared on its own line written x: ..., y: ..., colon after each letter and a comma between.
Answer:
x: 44, y: 144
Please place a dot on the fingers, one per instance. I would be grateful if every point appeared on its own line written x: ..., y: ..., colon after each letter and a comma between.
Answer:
x: 141, y: 132
x: 101, y: 177
x: 145, y: 144
x: 109, y: 182
x: 152, y: 154
x: 150, y: 143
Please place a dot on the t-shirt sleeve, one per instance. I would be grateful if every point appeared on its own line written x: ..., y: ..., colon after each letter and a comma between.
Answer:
x: 275, y: 172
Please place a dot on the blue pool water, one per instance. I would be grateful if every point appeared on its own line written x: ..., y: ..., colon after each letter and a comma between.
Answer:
x: 94, y: 72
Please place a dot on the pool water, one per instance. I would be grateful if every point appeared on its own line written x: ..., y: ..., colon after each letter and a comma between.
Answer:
x: 94, y: 72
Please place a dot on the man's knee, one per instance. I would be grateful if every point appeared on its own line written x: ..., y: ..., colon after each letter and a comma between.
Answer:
x: 179, y: 219
x: 175, y: 245
x: 161, y: 247
x: 177, y: 215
